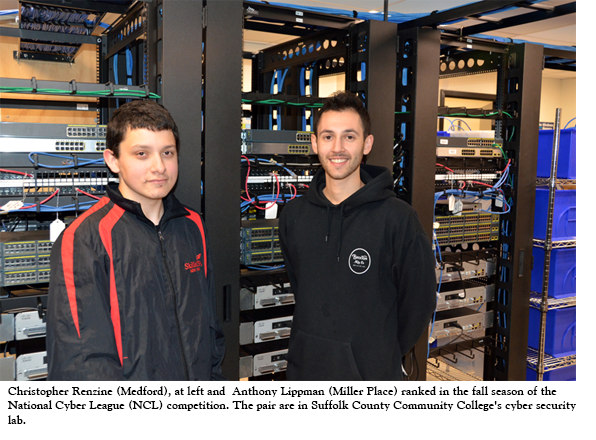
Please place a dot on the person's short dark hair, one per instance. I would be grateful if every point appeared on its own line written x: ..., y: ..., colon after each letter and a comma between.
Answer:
x: 341, y: 101
x: 136, y: 114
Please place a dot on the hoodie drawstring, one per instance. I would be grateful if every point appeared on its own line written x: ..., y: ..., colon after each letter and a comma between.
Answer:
x: 341, y: 222
x: 328, y: 223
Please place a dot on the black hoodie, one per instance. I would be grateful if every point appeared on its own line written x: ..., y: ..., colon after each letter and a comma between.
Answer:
x: 363, y: 277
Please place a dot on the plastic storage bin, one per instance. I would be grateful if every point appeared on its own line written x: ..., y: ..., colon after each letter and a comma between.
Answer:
x: 562, y: 272
x: 560, y: 331
x: 566, y: 158
x: 564, y: 225
x: 559, y: 374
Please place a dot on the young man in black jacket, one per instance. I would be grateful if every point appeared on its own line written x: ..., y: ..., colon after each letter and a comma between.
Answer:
x: 131, y: 293
x: 359, y: 262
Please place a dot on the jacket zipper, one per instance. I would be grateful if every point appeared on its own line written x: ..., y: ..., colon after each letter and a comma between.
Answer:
x: 165, y: 262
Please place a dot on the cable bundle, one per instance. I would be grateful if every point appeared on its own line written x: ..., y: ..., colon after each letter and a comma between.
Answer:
x: 54, y: 20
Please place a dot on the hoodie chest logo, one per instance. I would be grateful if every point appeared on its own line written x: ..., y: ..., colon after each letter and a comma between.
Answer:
x: 359, y: 261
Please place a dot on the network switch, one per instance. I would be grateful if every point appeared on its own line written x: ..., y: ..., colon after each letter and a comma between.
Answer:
x: 32, y: 366
x: 266, y: 297
x: 265, y: 330
x: 465, y: 270
x: 469, y: 147
x: 261, y: 257
x: 276, y: 142
x: 457, y: 322
x: 51, y: 138
x: 24, y: 276
x: 29, y: 325
x: 25, y: 243
x: 263, y: 363
x: 267, y: 363
x: 467, y: 228
x: 259, y: 229
x: 464, y: 296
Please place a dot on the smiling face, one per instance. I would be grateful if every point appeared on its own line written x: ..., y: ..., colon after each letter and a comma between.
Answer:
x: 147, y: 165
x: 340, y: 144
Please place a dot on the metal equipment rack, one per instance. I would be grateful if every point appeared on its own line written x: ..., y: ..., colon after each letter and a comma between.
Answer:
x: 538, y: 360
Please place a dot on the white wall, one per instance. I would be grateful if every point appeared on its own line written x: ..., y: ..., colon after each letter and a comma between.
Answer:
x: 558, y: 93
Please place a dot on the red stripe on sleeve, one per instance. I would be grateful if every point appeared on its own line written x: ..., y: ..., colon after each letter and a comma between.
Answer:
x: 67, y: 252
x: 197, y: 219
x: 106, y: 225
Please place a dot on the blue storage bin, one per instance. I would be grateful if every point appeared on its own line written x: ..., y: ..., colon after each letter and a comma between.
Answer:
x: 562, y: 272
x: 560, y: 331
x: 560, y: 374
x: 566, y: 158
x: 564, y: 224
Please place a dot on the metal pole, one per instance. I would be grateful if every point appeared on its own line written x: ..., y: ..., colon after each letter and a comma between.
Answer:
x: 386, y: 10
x: 548, y: 245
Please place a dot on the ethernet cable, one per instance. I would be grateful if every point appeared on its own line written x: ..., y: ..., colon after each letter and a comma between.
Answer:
x: 80, y: 162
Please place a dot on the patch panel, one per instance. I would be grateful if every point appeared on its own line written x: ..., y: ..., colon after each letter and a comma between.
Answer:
x: 46, y: 182
x: 467, y: 175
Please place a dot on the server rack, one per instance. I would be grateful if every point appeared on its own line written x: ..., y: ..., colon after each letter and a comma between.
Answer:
x: 25, y: 240
x: 518, y: 94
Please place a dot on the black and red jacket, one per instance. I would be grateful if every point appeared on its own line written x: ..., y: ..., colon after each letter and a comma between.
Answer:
x: 130, y: 300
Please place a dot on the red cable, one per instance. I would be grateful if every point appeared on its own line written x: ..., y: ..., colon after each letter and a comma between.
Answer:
x: 246, y: 181
x: 295, y: 191
x: 16, y: 172
x: 87, y: 194
x: 42, y: 202
x: 276, y: 197
x: 448, y: 169
x: 481, y: 183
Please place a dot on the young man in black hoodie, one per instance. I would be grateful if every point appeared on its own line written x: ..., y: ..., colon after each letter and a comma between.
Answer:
x: 359, y: 262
